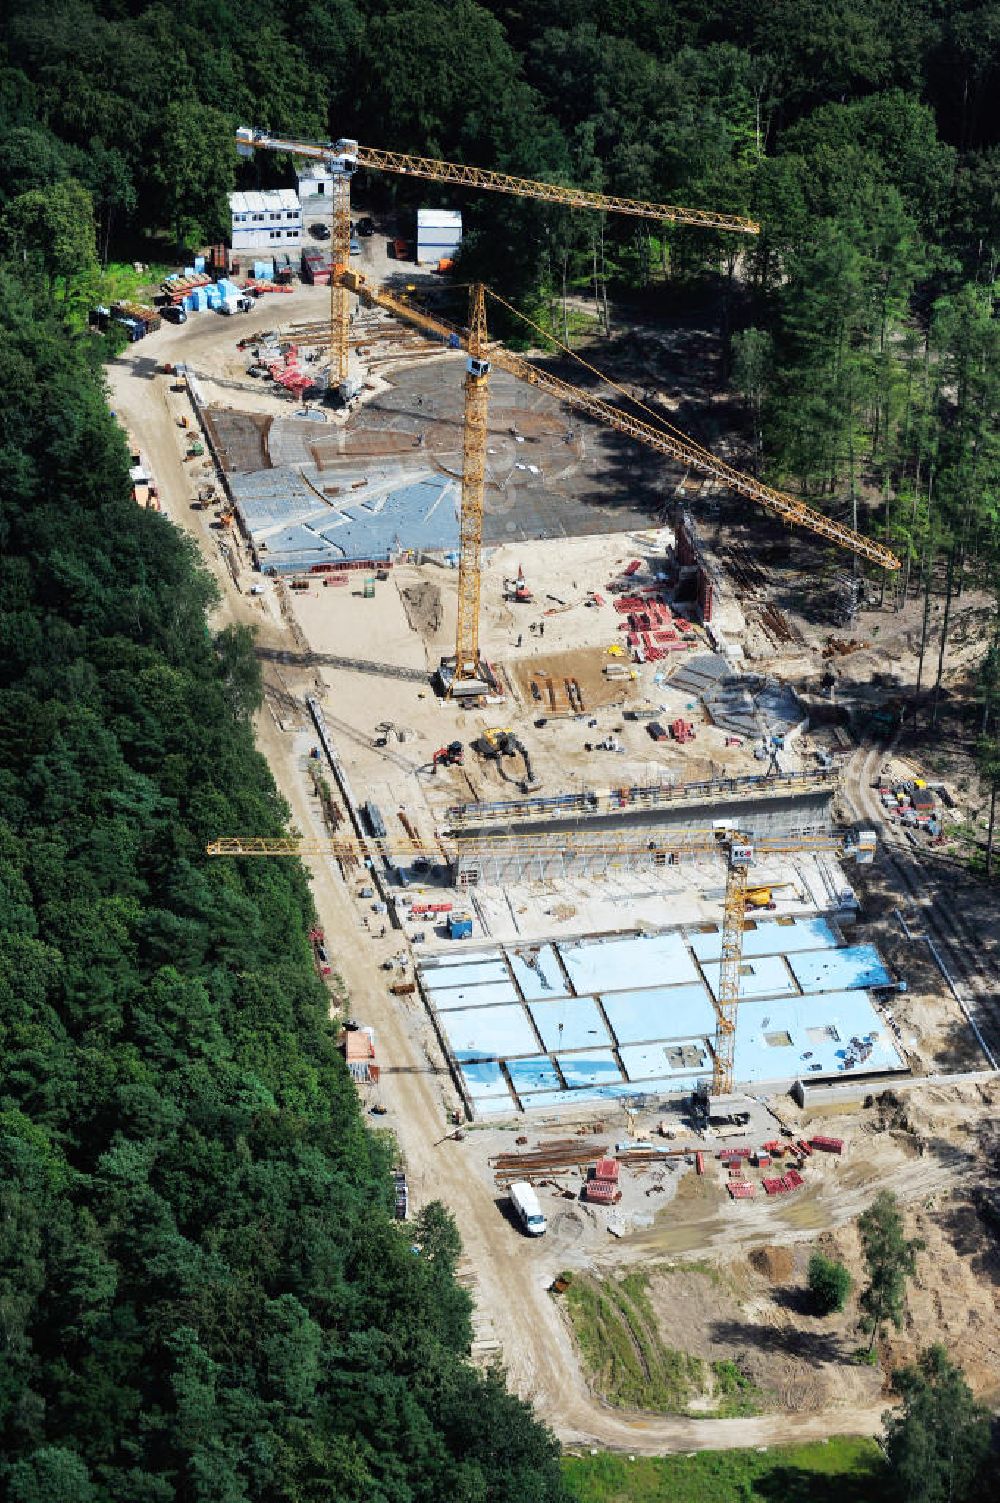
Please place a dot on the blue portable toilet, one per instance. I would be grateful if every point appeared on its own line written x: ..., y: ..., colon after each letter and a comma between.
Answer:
x: 459, y: 926
x: 199, y: 263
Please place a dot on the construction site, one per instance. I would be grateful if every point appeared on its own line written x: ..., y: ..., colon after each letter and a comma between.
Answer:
x: 612, y: 853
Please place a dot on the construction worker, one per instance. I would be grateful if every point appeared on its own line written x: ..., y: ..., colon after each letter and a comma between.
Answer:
x: 520, y: 638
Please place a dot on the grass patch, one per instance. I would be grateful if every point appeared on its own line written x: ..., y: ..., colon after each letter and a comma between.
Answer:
x: 117, y: 282
x: 736, y: 1394
x: 846, y: 1469
x: 617, y: 1334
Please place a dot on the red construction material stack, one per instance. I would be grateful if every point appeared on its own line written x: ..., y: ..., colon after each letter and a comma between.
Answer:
x: 773, y: 1185
x: 734, y: 1153
x: 741, y: 1189
x: 793, y: 1179
x: 603, y: 1189
x: 633, y: 567
x: 699, y: 1162
x: 828, y: 1145
x: 804, y: 1148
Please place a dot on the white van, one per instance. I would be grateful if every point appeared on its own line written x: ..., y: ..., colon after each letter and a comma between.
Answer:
x: 529, y: 1212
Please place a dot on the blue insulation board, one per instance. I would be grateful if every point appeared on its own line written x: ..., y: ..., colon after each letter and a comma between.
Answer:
x: 621, y: 963
x: 643, y: 1061
x: 537, y: 1074
x: 449, y: 958
x: 597, y: 1067
x: 484, y: 1078
x: 830, y: 970
x: 625, y: 1002
x: 811, y: 1035
x: 476, y: 973
x: 769, y: 938
x: 450, y: 998
x: 538, y: 972
x: 489, y: 1032
x: 660, y: 1013
x: 570, y: 1023
x: 767, y: 976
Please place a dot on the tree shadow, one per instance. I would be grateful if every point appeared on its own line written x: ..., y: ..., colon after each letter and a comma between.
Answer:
x: 972, y: 1228
x: 809, y: 1346
x: 792, y: 1484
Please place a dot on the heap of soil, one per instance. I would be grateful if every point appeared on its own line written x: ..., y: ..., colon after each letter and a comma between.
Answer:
x: 777, y: 1264
x: 422, y: 604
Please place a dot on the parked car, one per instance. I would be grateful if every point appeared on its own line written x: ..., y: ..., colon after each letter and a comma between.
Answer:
x: 656, y: 730
x: 320, y: 231
x: 366, y: 225
x: 398, y: 248
x: 355, y: 247
x: 173, y: 313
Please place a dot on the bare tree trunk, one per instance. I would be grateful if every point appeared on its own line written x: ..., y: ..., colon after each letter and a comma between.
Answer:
x: 913, y: 523
x: 949, y: 590
x: 928, y: 570
x: 604, y: 287
x: 564, y: 310
x: 989, y: 833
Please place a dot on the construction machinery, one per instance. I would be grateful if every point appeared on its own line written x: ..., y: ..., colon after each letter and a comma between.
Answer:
x: 650, y: 842
x: 517, y: 590
x: 763, y: 897
x: 344, y: 157
x: 467, y: 675
x: 448, y: 756
x: 496, y: 744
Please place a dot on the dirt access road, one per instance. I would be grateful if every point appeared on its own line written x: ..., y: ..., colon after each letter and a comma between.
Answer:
x: 510, y: 1287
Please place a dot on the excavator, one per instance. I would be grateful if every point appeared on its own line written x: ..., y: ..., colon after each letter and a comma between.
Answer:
x: 448, y: 756
x: 517, y: 589
x: 496, y: 743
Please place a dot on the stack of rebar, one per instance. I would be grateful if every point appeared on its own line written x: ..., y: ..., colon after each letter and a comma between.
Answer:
x: 546, y: 1160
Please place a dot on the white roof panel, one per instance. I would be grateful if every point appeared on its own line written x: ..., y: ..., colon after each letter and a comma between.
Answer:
x: 439, y: 219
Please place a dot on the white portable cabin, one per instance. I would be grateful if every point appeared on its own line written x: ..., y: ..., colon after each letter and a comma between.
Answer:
x: 271, y: 220
x: 439, y: 235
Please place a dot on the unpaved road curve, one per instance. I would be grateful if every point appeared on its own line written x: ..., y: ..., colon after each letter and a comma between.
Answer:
x: 512, y: 1276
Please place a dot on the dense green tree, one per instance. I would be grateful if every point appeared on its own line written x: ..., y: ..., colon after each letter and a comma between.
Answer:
x: 55, y: 226
x: 194, y: 167
x: 937, y: 1443
x: 829, y: 1284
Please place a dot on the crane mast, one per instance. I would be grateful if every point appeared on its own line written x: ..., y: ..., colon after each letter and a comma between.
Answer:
x: 477, y: 374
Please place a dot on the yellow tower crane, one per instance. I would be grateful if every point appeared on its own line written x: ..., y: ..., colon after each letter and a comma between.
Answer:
x: 654, y: 434
x: 646, y: 842
x: 343, y: 158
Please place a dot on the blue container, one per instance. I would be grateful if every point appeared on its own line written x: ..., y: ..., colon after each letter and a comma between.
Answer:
x: 459, y: 928
x: 199, y: 263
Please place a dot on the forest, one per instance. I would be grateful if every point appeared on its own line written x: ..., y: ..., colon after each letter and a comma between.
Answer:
x: 202, y: 1292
